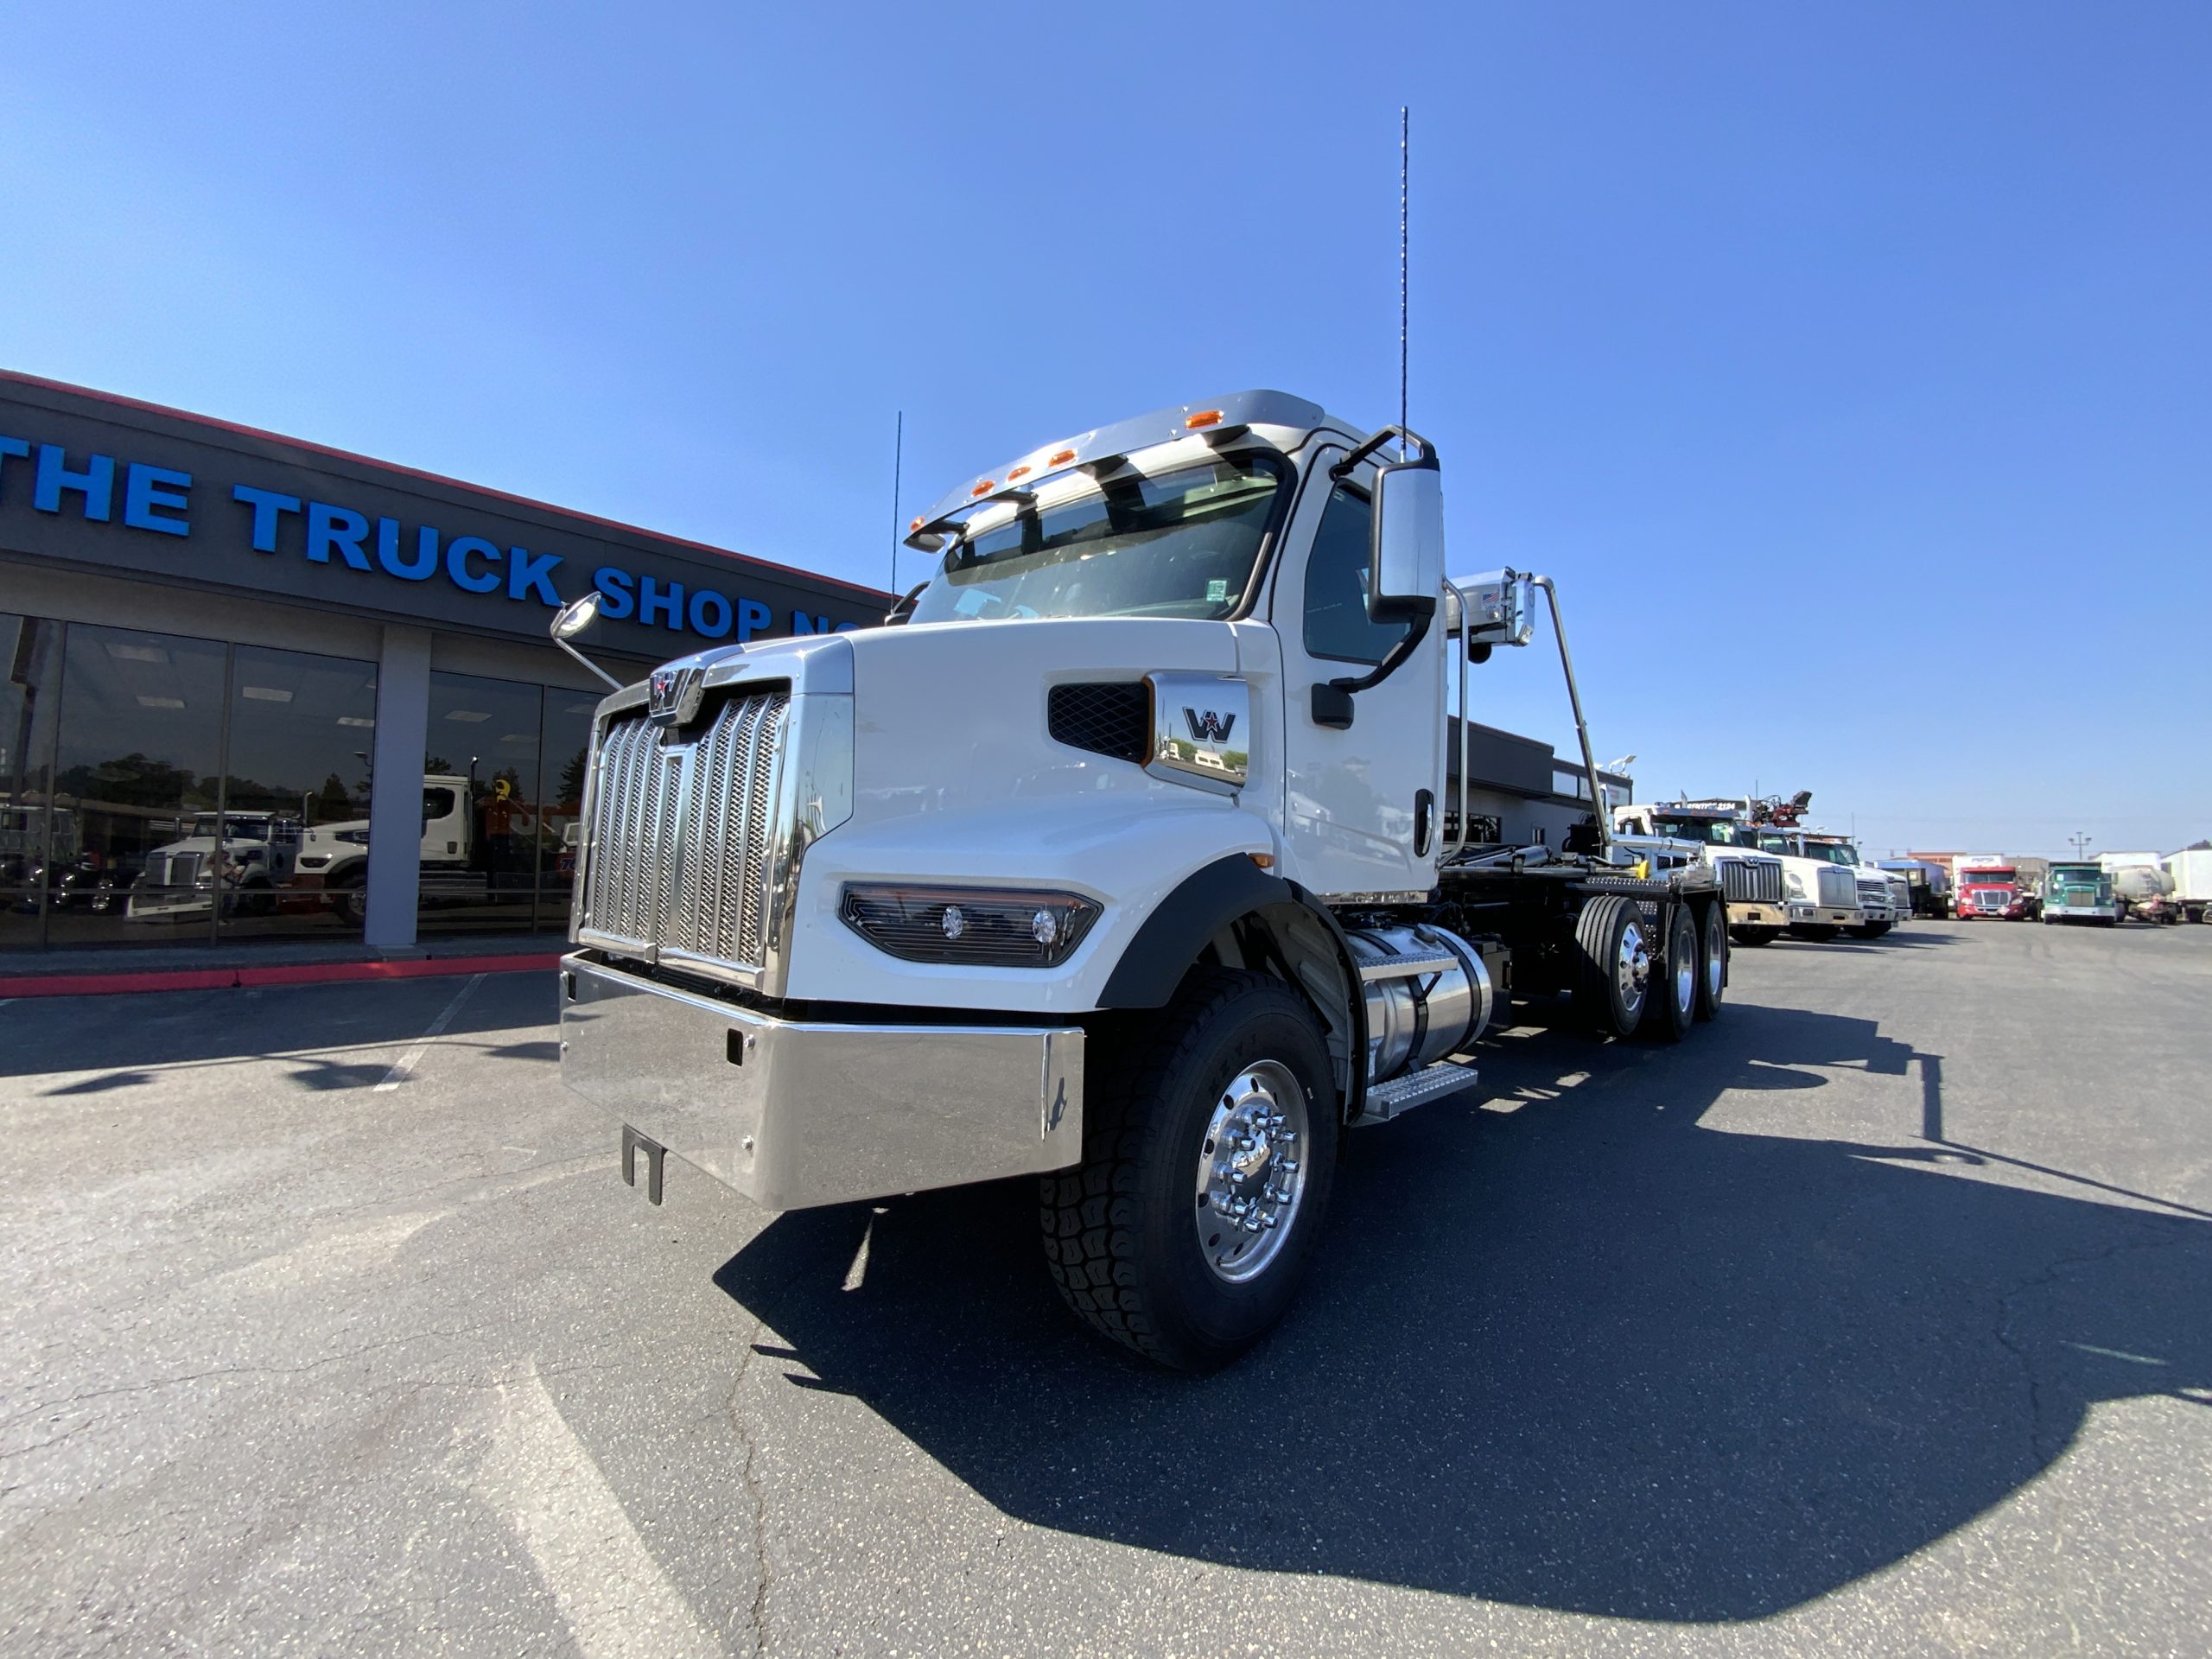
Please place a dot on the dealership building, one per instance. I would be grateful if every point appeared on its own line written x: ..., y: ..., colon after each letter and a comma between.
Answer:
x: 256, y: 688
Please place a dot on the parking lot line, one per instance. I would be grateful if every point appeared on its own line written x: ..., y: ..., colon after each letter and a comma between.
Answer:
x: 407, y: 1062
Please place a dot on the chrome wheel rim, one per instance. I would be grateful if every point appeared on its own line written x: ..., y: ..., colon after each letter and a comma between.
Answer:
x: 1715, y: 959
x: 1251, y: 1171
x: 1632, y: 967
x: 1686, y: 980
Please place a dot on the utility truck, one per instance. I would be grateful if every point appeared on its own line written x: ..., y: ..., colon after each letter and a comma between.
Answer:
x: 2143, y: 887
x: 1715, y: 833
x: 2191, y: 871
x: 1820, y: 892
x: 1135, y: 857
x: 1884, y: 899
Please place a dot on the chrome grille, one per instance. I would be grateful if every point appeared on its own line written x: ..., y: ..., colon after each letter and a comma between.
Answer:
x: 1876, y: 893
x: 1839, y: 888
x: 683, y: 831
x: 176, y: 870
x: 1750, y: 880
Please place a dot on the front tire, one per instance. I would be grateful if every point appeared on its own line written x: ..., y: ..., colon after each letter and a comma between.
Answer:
x: 1754, y: 936
x: 1210, y: 1141
x: 1818, y: 932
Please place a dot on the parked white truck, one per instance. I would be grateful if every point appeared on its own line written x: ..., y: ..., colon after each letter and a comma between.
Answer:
x: 1884, y: 900
x: 457, y: 865
x: 1714, y: 833
x: 2191, y: 871
x: 1133, y: 859
x: 1820, y: 891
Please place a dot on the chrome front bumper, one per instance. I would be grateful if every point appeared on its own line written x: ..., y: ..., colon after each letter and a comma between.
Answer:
x: 1829, y: 915
x: 1745, y: 913
x: 794, y: 1114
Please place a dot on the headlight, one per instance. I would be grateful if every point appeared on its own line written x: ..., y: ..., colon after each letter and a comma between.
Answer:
x: 1793, y: 883
x: 997, y: 926
x: 355, y: 837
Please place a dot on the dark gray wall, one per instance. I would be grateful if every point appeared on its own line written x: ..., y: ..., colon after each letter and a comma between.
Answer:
x: 89, y: 480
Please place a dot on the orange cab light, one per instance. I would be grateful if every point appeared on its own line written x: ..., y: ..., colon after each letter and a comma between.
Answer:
x: 1062, y: 458
x: 1018, y: 472
x: 912, y: 528
x: 1203, y: 417
x: 1265, y: 861
x: 985, y: 487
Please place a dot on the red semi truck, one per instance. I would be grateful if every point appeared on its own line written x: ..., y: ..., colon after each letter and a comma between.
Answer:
x: 1989, y: 889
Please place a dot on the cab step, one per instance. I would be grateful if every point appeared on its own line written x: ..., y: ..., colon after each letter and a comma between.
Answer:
x: 1386, y: 1100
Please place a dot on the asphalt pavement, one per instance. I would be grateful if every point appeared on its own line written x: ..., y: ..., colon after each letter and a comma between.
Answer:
x: 1877, y: 1318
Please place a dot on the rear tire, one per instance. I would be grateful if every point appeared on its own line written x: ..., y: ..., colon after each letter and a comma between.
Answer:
x: 1670, y: 1008
x: 1713, y: 961
x: 1118, y: 1230
x: 1612, y: 977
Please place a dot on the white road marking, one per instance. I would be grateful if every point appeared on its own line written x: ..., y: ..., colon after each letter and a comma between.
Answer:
x: 609, y: 1589
x: 407, y: 1062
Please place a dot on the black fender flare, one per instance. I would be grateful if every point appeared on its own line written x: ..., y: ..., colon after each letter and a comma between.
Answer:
x: 1168, y: 941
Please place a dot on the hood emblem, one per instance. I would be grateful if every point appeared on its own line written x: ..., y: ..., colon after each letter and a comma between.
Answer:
x: 674, y: 693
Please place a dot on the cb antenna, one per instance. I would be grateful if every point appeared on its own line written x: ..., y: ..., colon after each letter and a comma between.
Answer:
x: 1404, y: 133
x: 897, y: 457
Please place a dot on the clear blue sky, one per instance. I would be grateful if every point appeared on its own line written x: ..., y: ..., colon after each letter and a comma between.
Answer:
x: 1850, y: 364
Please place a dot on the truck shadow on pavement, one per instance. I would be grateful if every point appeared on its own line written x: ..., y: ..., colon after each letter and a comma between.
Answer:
x: 1568, y: 1348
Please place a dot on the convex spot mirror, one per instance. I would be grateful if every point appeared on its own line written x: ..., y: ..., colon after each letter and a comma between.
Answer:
x: 1406, y: 560
x: 577, y: 615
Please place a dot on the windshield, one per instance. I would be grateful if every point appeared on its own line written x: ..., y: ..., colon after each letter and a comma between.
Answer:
x: 2086, y: 875
x: 1985, y: 878
x: 1718, y: 832
x: 1182, y: 543
x: 1771, y: 842
x: 1836, y: 852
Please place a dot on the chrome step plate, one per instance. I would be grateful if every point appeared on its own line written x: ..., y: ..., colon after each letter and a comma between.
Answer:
x: 1386, y: 1100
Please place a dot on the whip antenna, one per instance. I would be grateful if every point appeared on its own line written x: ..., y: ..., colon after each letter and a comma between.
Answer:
x: 1404, y: 132
x: 897, y: 456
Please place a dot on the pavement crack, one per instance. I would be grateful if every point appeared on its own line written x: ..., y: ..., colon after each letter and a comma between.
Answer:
x: 758, y: 1612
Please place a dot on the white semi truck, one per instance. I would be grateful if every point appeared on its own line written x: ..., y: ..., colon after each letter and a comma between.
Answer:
x: 1134, y: 858
x: 1718, y: 834
x: 241, y: 860
x: 456, y: 867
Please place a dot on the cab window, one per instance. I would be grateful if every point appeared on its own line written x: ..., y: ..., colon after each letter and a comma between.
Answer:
x: 1338, y: 626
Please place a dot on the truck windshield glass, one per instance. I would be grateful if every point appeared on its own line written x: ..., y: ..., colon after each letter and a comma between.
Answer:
x: 1836, y: 852
x: 1719, y: 832
x: 1181, y: 544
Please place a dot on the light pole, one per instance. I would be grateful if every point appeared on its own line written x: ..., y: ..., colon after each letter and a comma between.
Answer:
x: 2081, y: 845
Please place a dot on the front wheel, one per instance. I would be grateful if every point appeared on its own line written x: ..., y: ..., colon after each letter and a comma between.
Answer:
x: 1749, y: 935
x: 1818, y: 932
x: 1210, y: 1141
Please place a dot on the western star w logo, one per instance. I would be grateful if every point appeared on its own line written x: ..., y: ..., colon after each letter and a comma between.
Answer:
x: 1208, y: 728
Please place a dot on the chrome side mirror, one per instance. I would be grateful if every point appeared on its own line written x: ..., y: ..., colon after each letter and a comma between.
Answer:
x: 1405, y: 558
x: 577, y: 615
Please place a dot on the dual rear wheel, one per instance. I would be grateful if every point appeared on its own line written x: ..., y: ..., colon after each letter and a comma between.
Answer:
x: 1626, y: 979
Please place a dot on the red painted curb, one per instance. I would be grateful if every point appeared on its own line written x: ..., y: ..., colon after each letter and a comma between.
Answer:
x: 305, y: 973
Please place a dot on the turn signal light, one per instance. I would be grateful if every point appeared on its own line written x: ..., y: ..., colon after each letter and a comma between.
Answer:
x: 1061, y: 458
x: 1018, y: 472
x: 912, y: 528
x: 985, y: 487
x: 1203, y: 417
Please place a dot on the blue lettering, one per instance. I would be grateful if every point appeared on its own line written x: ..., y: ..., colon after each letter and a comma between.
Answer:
x: 652, y: 600
x: 421, y: 567
x: 751, y: 617
x: 336, y: 527
x: 614, y: 586
x: 849, y: 627
x: 803, y: 623
x: 527, y: 573
x: 710, y: 614
x: 457, y: 552
x: 266, y: 504
x: 12, y: 447
x: 146, y: 488
x: 95, y: 483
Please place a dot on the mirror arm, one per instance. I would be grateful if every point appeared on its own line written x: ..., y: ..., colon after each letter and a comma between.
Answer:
x: 588, y: 663
x: 1338, y: 473
x: 1333, y: 702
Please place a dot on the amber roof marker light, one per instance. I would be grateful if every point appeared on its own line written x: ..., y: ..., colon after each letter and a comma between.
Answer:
x: 1203, y: 417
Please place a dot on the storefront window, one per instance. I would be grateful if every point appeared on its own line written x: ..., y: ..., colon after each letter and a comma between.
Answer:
x: 481, y: 810
x: 567, y: 752
x: 296, y: 796
x: 30, y: 651
x: 134, y: 788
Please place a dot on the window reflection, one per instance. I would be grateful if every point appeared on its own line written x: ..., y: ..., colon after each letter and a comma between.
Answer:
x: 481, y: 810
x: 30, y: 653
x: 138, y: 769
x: 296, y: 792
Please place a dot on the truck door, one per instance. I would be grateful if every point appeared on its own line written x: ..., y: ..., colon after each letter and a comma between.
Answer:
x: 1363, y: 803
